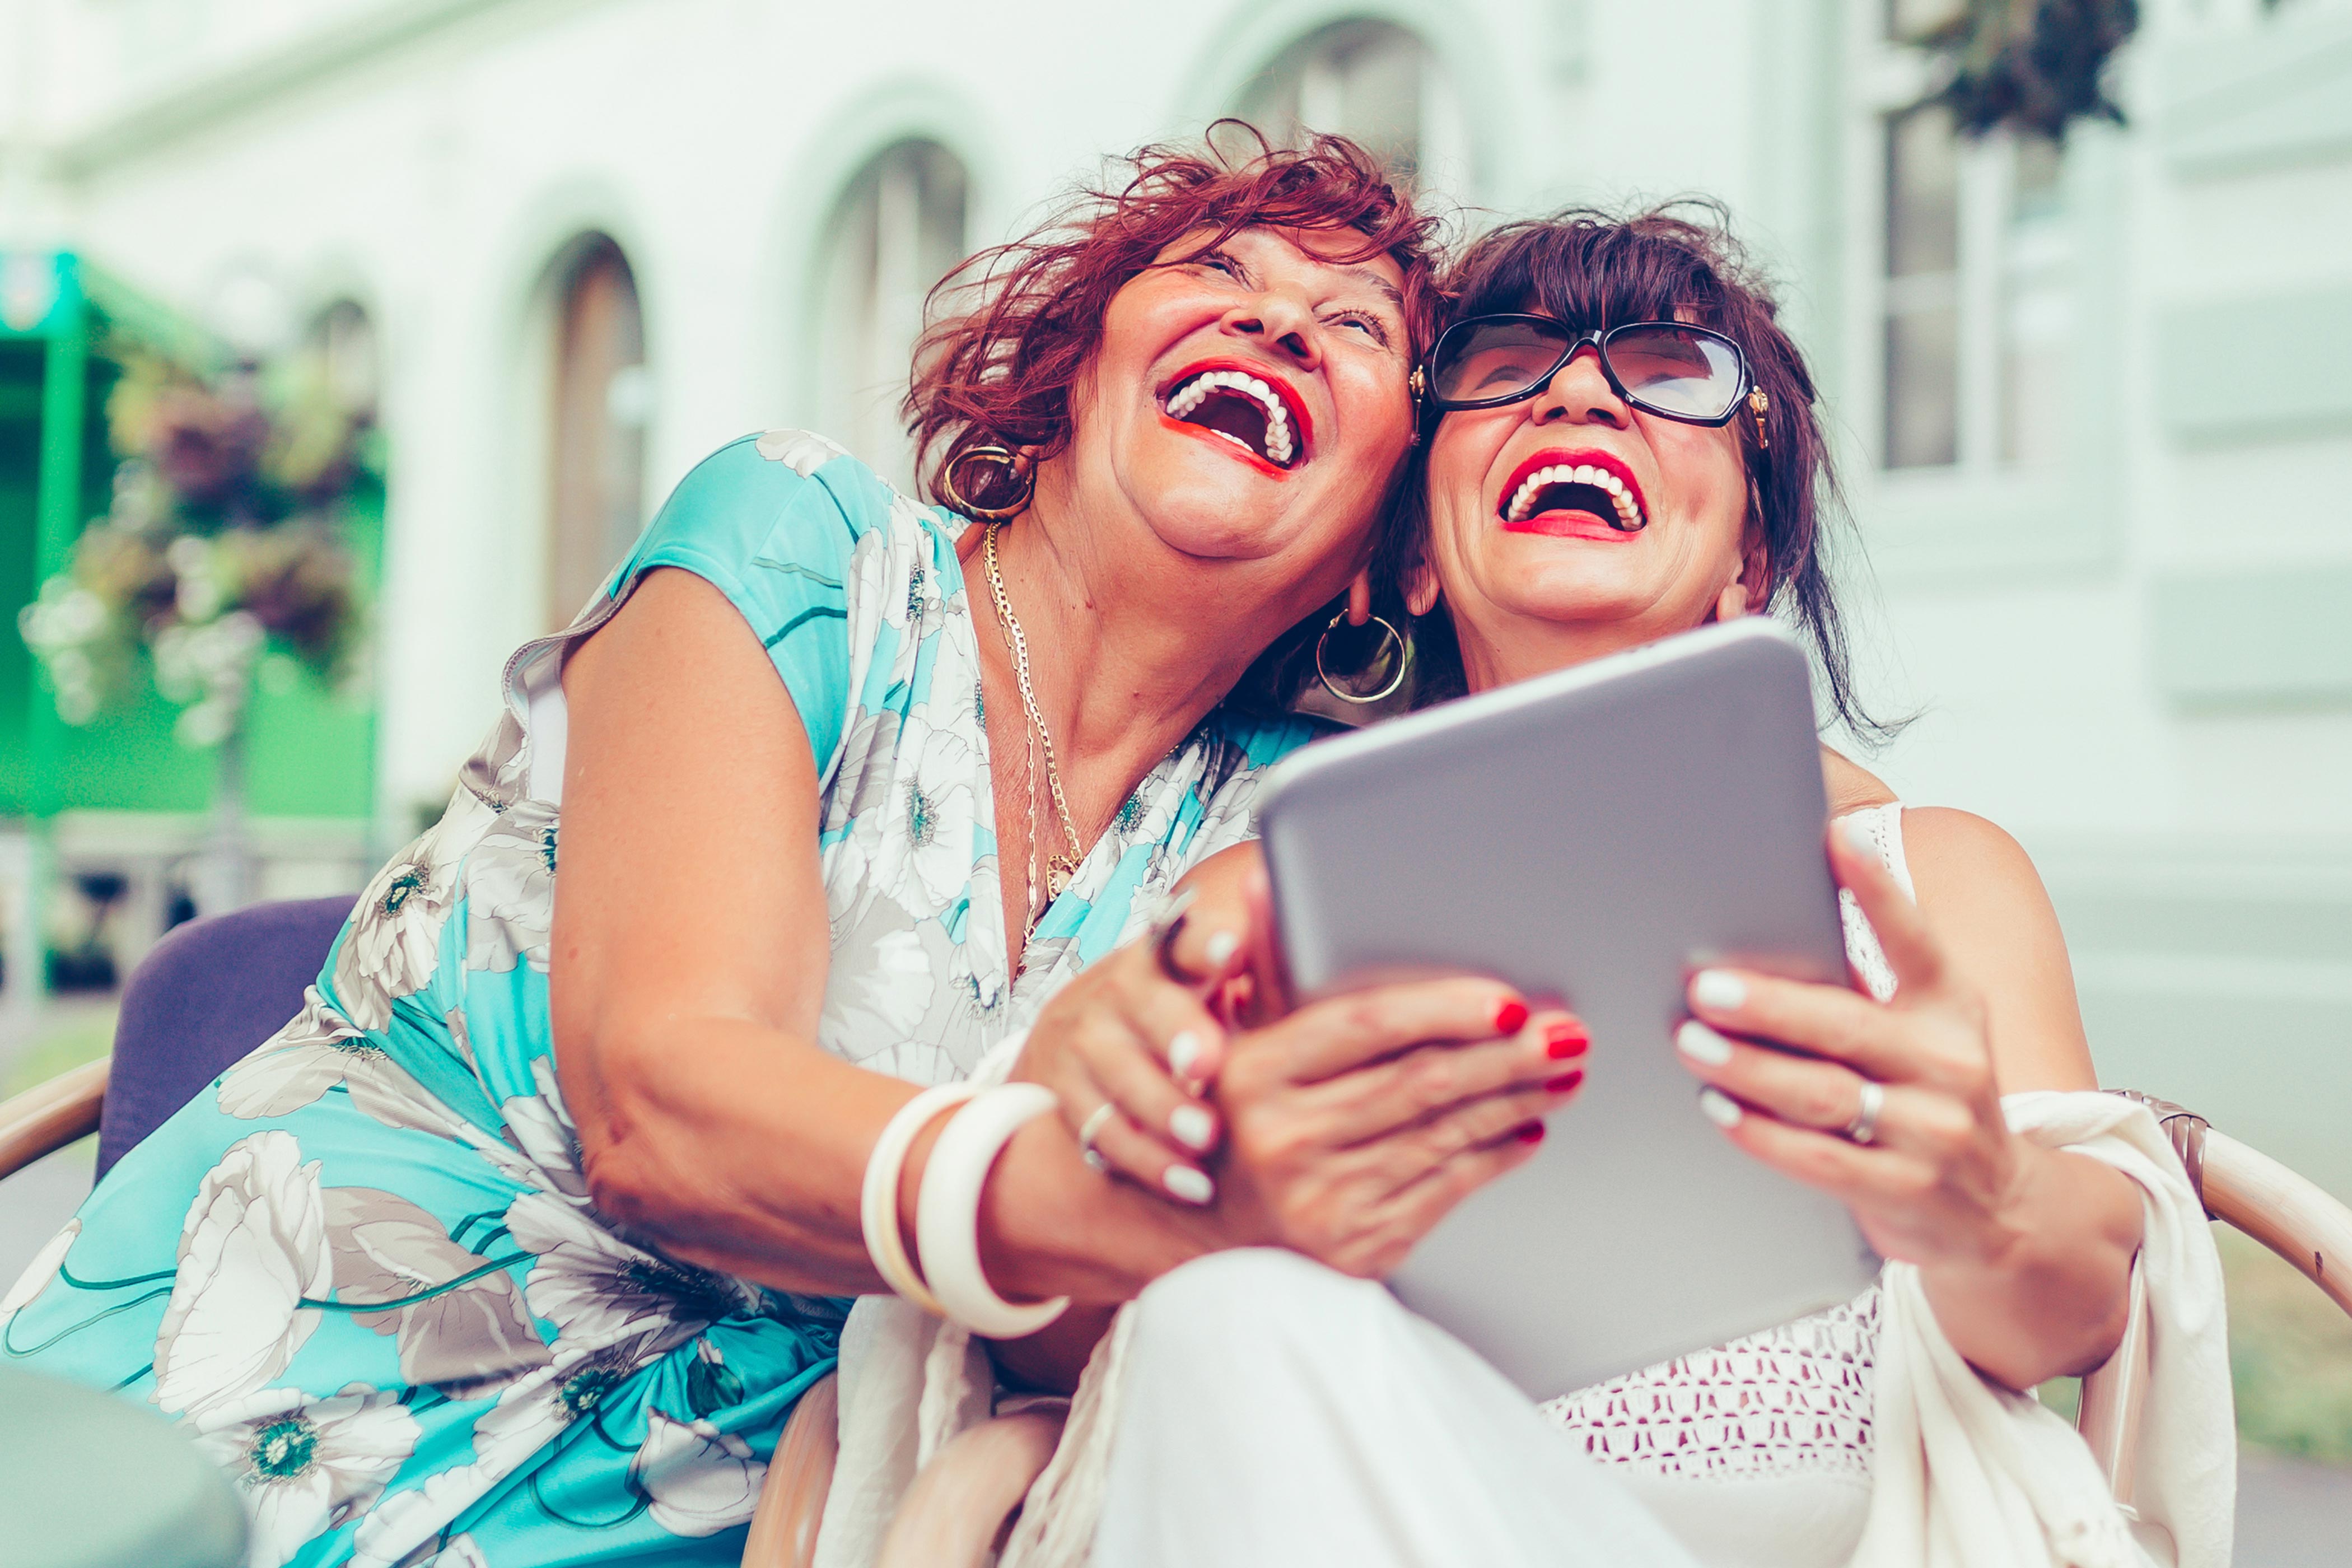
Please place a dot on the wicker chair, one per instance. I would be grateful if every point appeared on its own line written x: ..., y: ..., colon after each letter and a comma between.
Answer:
x: 230, y: 981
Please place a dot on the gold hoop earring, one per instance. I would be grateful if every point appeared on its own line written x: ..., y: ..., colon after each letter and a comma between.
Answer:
x: 1023, y: 483
x: 1385, y: 692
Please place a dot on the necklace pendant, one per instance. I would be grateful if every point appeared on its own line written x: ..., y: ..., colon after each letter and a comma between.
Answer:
x: 1059, y: 872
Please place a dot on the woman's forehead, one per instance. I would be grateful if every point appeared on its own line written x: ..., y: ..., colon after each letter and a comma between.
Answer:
x: 1594, y: 309
x: 1339, y: 250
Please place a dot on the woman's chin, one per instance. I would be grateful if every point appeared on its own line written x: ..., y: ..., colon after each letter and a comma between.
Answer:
x: 1220, y: 515
x: 1211, y: 533
x: 1578, y: 593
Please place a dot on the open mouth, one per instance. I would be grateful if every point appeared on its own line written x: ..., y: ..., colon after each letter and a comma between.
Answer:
x: 1258, y: 414
x: 1567, y: 483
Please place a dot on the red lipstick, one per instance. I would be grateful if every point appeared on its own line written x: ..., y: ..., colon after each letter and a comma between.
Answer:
x: 1579, y: 523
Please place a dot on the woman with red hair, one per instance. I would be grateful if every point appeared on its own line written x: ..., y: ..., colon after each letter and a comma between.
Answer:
x: 521, y: 1243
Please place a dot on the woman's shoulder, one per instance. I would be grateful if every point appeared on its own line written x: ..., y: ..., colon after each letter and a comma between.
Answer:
x: 787, y: 499
x: 836, y: 572
x: 1959, y: 851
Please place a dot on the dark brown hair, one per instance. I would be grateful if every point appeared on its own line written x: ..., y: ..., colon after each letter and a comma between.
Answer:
x: 1594, y: 267
x: 1001, y: 369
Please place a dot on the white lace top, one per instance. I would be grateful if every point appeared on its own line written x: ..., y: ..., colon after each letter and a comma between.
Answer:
x: 1757, y: 1452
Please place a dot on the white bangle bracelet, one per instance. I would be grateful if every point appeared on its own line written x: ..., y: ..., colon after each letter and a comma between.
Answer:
x: 947, y: 1212
x: 878, y: 1200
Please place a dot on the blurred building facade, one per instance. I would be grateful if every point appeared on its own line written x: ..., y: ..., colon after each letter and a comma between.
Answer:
x: 2096, y: 403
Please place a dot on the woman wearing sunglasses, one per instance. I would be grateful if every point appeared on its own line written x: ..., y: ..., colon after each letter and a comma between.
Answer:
x: 519, y: 1245
x: 1620, y: 444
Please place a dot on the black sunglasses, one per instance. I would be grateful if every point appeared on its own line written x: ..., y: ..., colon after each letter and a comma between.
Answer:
x: 1667, y: 368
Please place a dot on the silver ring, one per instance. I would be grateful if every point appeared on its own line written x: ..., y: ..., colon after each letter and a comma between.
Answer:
x: 1864, y: 1128
x: 1086, y: 1132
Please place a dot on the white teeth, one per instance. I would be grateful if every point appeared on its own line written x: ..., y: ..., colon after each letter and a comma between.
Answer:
x: 1523, y: 502
x: 1279, y: 441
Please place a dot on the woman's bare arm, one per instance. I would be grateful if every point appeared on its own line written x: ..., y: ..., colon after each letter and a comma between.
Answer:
x: 2052, y: 1301
x: 689, y: 967
x: 690, y: 948
x: 2025, y: 1252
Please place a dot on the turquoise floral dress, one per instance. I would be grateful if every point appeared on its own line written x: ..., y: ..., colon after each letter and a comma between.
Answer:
x: 363, y: 1271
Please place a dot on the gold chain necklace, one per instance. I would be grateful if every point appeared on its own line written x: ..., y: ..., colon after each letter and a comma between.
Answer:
x: 1059, y: 868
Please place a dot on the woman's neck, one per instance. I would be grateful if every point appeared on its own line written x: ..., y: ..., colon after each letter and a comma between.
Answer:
x: 1851, y: 786
x: 1539, y: 647
x: 1129, y: 650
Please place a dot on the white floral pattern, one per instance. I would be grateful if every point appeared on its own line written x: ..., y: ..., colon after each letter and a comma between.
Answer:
x: 924, y: 861
x: 40, y: 1271
x: 456, y: 1318
x: 319, y: 1050
x: 803, y: 451
x: 923, y: 608
x: 306, y: 1466
x: 392, y: 945
x: 602, y: 1294
x: 253, y: 1248
x: 541, y: 1126
x: 392, y: 1186
x: 510, y: 890
x: 700, y: 1480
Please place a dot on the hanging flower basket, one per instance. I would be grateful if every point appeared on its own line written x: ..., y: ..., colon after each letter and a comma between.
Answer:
x: 225, y: 540
x: 2033, y: 65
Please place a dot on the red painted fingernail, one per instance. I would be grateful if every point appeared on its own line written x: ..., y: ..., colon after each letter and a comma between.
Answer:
x: 1566, y: 1081
x: 1564, y: 1040
x: 1511, y: 1016
x: 1533, y: 1133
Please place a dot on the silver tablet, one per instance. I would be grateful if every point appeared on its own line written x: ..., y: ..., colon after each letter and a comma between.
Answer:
x: 1595, y: 835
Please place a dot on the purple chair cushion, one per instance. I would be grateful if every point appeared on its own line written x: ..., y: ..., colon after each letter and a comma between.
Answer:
x: 209, y: 992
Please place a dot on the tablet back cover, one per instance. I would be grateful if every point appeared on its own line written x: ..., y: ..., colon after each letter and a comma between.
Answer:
x: 1595, y: 835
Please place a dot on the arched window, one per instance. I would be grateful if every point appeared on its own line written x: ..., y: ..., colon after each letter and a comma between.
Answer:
x: 601, y: 404
x: 897, y: 230
x: 1374, y: 82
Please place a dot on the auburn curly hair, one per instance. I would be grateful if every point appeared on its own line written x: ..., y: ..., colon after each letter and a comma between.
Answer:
x: 1016, y: 325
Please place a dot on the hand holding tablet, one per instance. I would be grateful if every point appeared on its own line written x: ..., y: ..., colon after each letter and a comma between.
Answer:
x: 1597, y: 836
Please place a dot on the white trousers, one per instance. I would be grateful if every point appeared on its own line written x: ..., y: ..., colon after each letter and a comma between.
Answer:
x: 1277, y: 1411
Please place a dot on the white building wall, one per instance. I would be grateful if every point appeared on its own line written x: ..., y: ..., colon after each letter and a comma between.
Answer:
x: 2144, y: 671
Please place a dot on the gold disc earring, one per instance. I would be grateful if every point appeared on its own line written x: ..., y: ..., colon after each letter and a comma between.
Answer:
x: 1385, y: 692
x: 1022, y: 484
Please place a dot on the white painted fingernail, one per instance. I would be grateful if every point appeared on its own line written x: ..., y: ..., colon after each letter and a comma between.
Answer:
x: 1702, y: 1045
x: 1721, y: 1108
x: 1719, y: 989
x: 1858, y: 835
x: 1183, y: 1051
x: 1193, y: 1127
x: 1189, y: 1184
x: 1221, y: 946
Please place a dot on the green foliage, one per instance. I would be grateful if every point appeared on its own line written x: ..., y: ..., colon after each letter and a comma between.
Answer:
x: 2290, y: 1356
x: 225, y: 538
x: 68, y: 1034
x: 2033, y: 65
